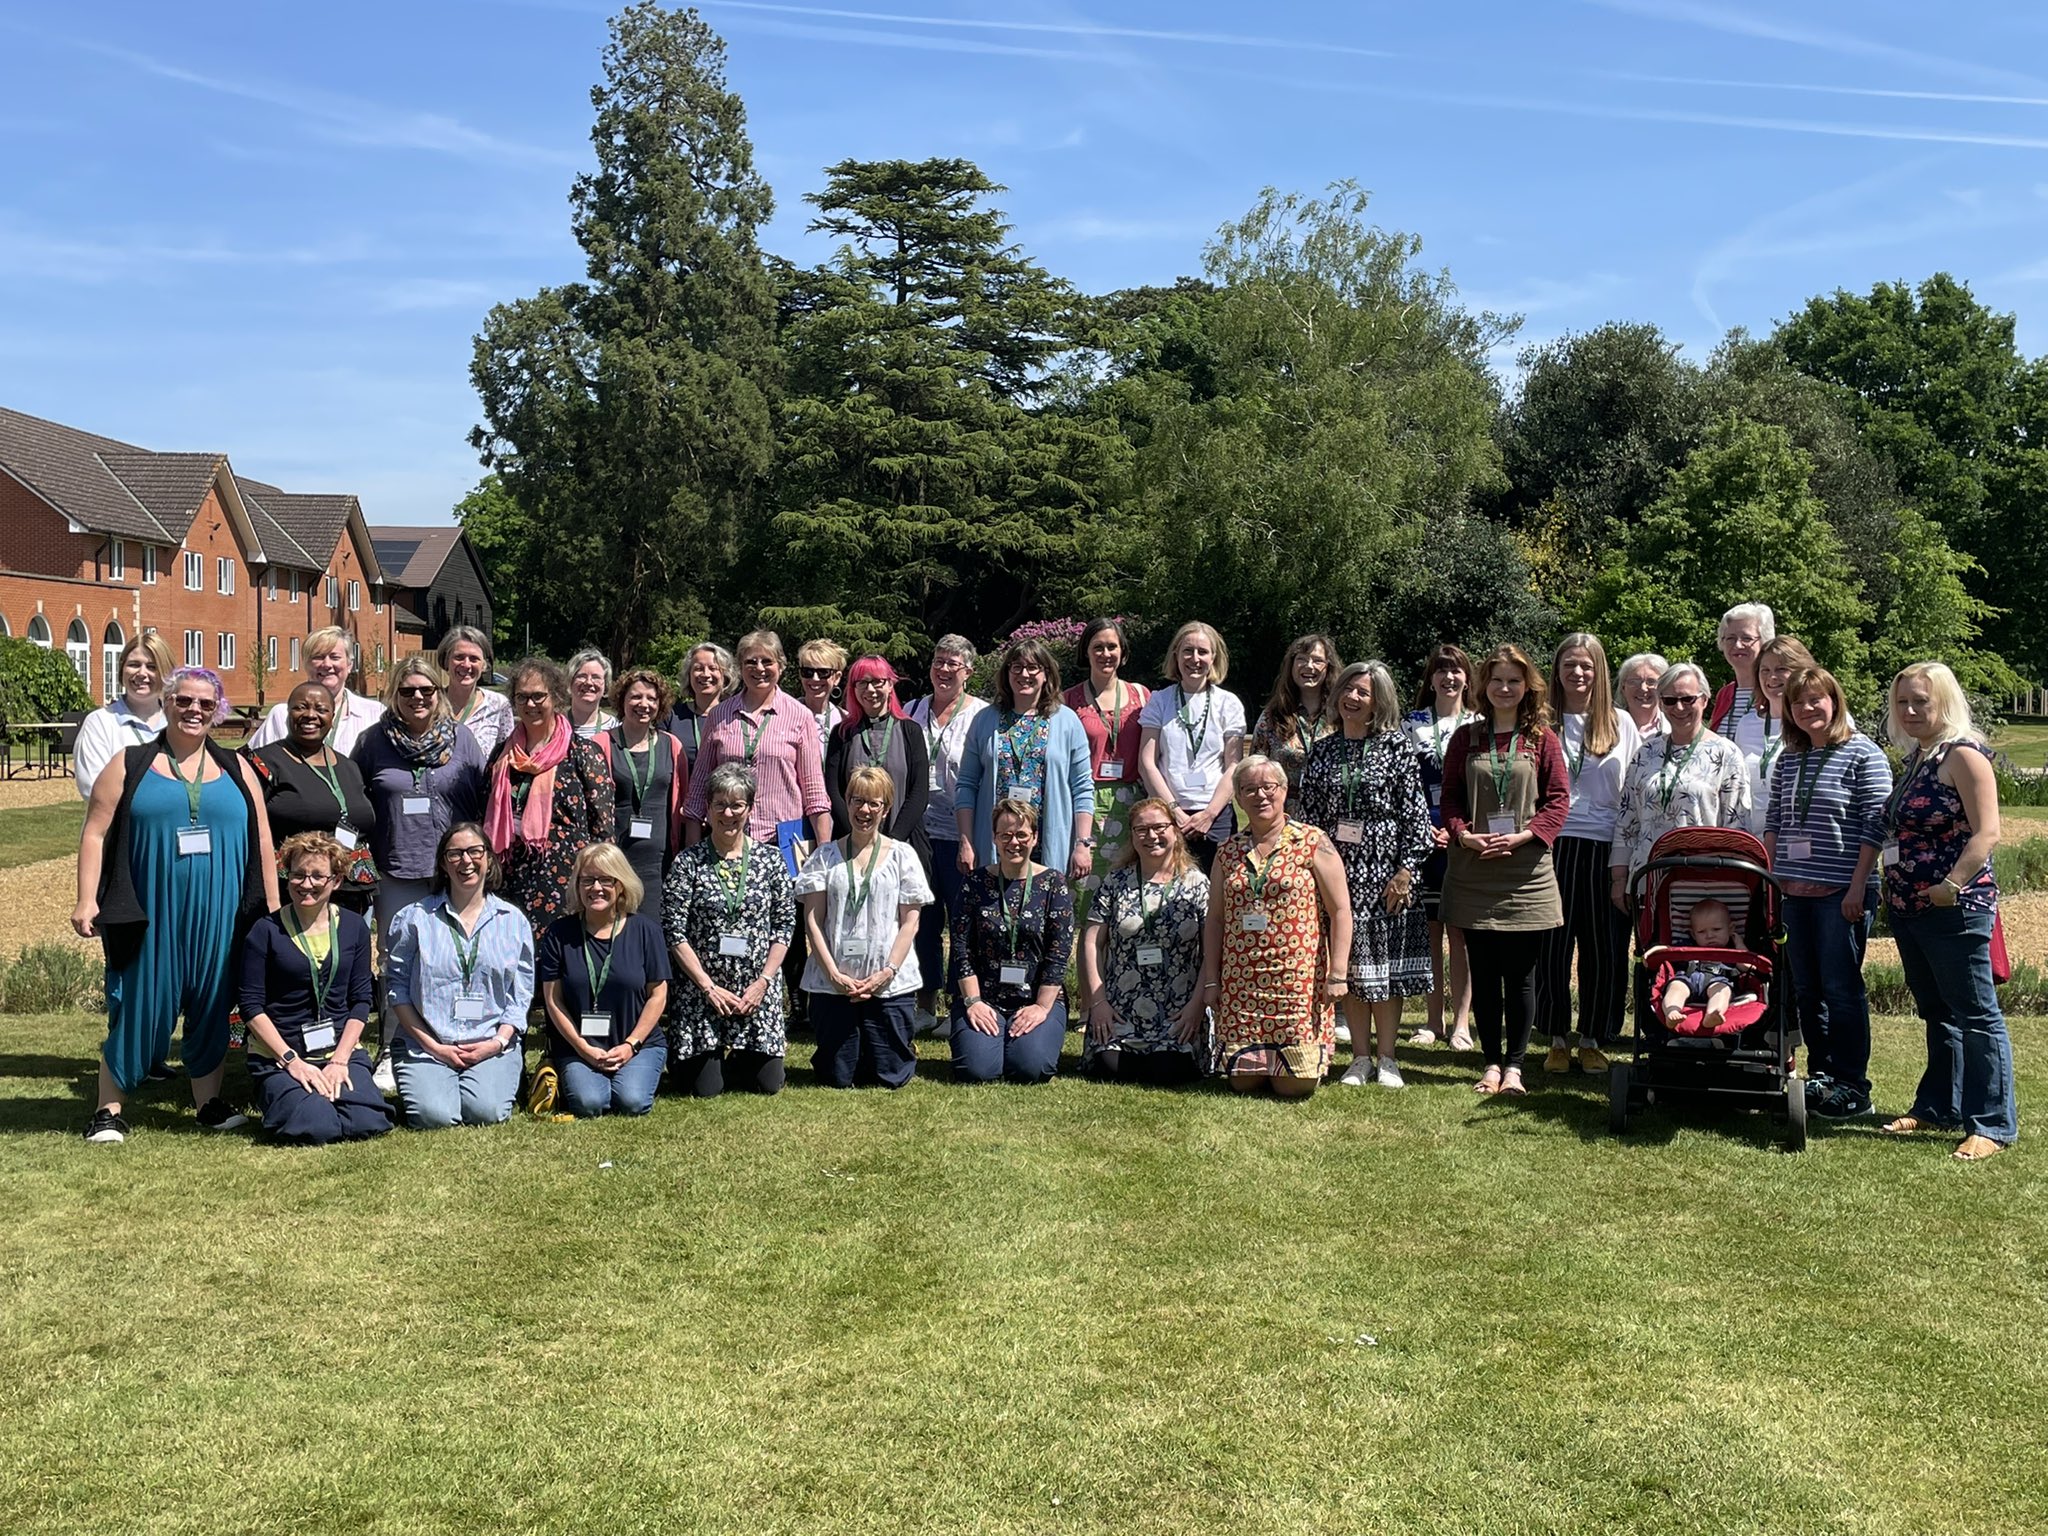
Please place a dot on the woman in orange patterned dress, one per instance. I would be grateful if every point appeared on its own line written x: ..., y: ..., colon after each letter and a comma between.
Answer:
x: 1279, y: 911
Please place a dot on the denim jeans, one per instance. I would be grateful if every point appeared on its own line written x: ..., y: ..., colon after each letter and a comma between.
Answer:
x: 1946, y: 955
x: 863, y: 1043
x: 587, y: 1092
x: 436, y: 1097
x: 1826, y: 951
x: 937, y: 916
x: 1031, y: 1057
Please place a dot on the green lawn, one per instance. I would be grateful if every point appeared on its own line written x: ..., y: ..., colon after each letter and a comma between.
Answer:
x: 2026, y: 741
x: 31, y: 834
x: 1073, y: 1308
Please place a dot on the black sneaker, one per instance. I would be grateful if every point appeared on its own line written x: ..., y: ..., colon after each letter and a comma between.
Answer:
x: 107, y: 1129
x: 220, y: 1115
x: 1818, y: 1086
x: 162, y: 1073
x: 1840, y: 1102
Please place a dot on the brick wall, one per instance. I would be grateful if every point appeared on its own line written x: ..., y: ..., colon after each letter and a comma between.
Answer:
x: 62, y: 602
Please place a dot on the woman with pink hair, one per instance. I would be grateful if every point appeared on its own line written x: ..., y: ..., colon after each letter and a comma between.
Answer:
x: 877, y: 730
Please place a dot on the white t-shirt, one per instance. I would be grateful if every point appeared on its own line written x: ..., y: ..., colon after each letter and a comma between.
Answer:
x: 945, y: 746
x: 860, y: 941
x: 1191, y: 755
x: 104, y: 736
x: 1598, y: 785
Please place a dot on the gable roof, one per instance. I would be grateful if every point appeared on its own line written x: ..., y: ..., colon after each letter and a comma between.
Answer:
x: 413, y: 557
x: 313, y: 522
x: 106, y: 486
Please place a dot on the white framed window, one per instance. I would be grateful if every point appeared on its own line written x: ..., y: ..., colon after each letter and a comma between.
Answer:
x: 39, y: 631
x: 270, y: 585
x: 334, y: 591
x: 195, y: 647
x: 195, y: 576
x: 270, y: 653
x: 112, y: 642
x: 117, y: 561
x: 78, y: 649
x: 227, y: 651
x: 293, y: 592
x: 355, y: 596
x: 378, y: 651
x: 224, y: 571
x: 296, y: 665
x: 149, y: 565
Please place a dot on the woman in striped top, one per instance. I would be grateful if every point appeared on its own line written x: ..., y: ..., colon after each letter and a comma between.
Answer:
x: 1825, y: 825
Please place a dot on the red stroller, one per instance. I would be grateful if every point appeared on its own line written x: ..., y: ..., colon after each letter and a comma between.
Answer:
x: 1749, y: 1058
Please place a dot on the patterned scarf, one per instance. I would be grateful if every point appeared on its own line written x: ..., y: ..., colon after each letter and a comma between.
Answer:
x: 532, y: 824
x: 431, y: 749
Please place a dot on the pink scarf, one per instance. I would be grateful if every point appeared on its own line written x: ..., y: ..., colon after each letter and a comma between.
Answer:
x: 533, y: 824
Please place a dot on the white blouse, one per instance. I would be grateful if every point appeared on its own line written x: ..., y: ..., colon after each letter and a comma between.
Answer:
x: 1669, y: 786
x: 1597, y: 782
x: 861, y: 941
x: 945, y: 747
x: 1191, y: 756
x: 104, y: 736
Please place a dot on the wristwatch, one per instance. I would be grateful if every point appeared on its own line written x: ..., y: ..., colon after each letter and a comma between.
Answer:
x: 288, y: 1057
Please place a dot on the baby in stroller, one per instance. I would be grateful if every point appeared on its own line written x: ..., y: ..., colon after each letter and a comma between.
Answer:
x: 1710, y: 985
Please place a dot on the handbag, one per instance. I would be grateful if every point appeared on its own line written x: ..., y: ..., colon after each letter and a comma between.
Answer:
x: 2001, y: 962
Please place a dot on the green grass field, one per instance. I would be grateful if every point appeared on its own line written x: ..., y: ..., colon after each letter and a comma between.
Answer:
x: 1073, y: 1308
x: 2025, y: 740
x: 31, y: 834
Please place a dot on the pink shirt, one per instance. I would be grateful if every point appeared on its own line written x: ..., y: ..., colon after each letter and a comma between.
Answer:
x: 789, y: 767
x: 1081, y: 700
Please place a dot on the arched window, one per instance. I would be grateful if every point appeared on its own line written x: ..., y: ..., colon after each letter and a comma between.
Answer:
x: 6, y: 628
x: 111, y: 643
x: 39, y: 631
x: 78, y: 646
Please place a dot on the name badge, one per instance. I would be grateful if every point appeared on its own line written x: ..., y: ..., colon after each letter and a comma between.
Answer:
x: 640, y: 828
x: 594, y: 1026
x: 1028, y: 793
x: 194, y: 840
x: 1254, y: 922
x: 732, y: 944
x: 1112, y: 768
x: 415, y: 805
x: 1436, y: 796
x: 346, y: 836
x: 469, y: 1010
x: 853, y: 953
x: 1888, y: 855
x: 1013, y: 975
x: 938, y: 780
x: 319, y: 1038
x: 1799, y: 848
x: 1151, y: 955
x: 1498, y: 825
x: 1350, y: 831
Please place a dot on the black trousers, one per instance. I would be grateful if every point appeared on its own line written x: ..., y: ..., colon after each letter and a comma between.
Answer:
x: 1599, y: 932
x: 708, y: 1075
x: 1503, y: 964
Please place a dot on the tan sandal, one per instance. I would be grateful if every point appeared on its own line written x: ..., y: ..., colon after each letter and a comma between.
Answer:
x: 1975, y: 1149
x: 1489, y: 1081
x: 1906, y: 1125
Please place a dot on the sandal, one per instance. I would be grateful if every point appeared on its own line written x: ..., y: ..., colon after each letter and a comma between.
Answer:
x: 1489, y: 1081
x: 1906, y: 1125
x: 1975, y: 1149
x: 1511, y: 1083
x: 1461, y: 1040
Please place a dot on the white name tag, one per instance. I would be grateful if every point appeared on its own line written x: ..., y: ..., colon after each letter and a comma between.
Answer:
x: 1499, y: 826
x: 1013, y: 975
x: 938, y: 780
x: 319, y: 1038
x: 1889, y: 854
x: 1350, y: 831
x: 594, y: 1026
x: 346, y: 836
x: 1799, y: 848
x: 469, y: 1010
x: 415, y: 805
x: 1112, y: 768
x: 1151, y: 955
x: 852, y: 953
x: 193, y: 840
x: 1436, y: 796
x: 1254, y: 922
x: 1028, y: 793
x: 732, y: 944
x: 640, y: 828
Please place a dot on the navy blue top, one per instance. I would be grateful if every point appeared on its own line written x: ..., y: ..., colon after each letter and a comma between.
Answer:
x: 639, y: 960
x: 277, y: 978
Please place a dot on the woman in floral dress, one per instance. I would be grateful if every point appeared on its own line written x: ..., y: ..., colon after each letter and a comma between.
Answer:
x: 1141, y: 959
x: 1363, y: 789
x: 550, y: 794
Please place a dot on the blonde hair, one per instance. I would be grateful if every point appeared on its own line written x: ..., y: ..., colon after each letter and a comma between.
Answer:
x: 1179, y: 860
x: 333, y: 638
x: 152, y: 643
x: 1945, y: 696
x: 1256, y: 762
x: 605, y: 859
x: 1219, y: 672
x: 871, y: 780
x: 761, y: 640
x: 419, y: 664
x: 309, y: 845
x: 822, y: 653
x: 1603, y: 734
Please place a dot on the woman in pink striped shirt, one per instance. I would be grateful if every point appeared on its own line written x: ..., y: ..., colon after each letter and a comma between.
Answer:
x: 775, y: 736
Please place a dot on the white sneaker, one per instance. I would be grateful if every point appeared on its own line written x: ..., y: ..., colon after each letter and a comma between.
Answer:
x: 1359, y: 1073
x: 1390, y: 1074
x: 384, y: 1077
x: 1343, y: 1034
x: 1423, y: 1036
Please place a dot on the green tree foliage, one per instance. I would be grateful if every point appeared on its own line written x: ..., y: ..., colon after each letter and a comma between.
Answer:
x: 935, y: 469
x: 36, y: 683
x: 629, y: 415
x: 510, y: 542
x: 1349, y: 420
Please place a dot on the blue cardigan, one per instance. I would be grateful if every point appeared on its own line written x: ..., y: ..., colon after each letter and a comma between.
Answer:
x: 1069, y: 785
x: 277, y: 978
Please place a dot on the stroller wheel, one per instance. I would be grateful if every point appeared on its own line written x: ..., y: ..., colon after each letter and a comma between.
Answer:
x: 1795, y: 1114
x: 1619, y: 1076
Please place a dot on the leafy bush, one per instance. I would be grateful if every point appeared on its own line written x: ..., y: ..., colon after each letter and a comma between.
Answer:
x: 53, y: 978
x: 2026, y: 993
x: 36, y: 684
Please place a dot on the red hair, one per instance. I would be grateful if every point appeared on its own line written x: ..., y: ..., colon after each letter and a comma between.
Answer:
x: 864, y: 670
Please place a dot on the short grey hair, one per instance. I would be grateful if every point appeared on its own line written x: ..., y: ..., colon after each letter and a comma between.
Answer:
x: 958, y: 645
x: 1256, y: 763
x: 1758, y: 614
x: 1672, y: 675
x: 731, y: 778
x: 465, y: 634
x: 1648, y: 659
x: 584, y: 657
x: 1386, y: 699
x: 727, y: 666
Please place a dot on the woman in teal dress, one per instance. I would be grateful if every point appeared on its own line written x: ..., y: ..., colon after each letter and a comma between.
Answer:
x: 174, y: 865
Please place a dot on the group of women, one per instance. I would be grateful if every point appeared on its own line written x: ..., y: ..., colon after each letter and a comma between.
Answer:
x: 653, y: 881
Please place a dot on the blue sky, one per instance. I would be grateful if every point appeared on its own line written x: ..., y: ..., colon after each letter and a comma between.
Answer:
x: 273, y: 229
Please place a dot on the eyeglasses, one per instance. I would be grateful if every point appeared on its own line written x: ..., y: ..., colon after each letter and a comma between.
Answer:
x: 817, y: 672
x: 597, y: 882
x: 948, y: 664
x: 759, y: 661
x: 309, y: 877
x: 541, y: 697
x: 1153, y: 829
x: 1683, y: 700
x: 467, y: 855
x: 417, y: 691
x: 1263, y: 791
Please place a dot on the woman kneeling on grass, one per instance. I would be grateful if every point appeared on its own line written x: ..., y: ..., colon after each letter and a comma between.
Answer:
x: 1012, y: 937
x: 604, y: 981
x: 1141, y: 959
x: 460, y: 978
x: 306, y: 999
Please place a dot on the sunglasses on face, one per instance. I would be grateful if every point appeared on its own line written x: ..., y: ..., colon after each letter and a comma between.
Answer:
x: 1683, y: 700
x: 816, y: 672
x: 417, y: 691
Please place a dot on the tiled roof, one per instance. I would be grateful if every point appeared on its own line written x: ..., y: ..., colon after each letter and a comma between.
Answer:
x: 279, y: 545
x: 76, y: 473
x: 413, y: 557
x: 313, y: 522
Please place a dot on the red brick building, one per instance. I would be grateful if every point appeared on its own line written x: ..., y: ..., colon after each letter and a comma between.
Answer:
x: 100, y: 540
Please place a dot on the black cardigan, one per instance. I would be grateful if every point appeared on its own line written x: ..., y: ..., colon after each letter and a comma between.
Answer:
x: 122, y: 919
x: 906, y: 817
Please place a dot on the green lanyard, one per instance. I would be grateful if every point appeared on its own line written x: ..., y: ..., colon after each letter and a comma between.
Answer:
x: 752, y: 744
x: 936, y: 738
x: 1196, y: 736
x: 888, y: 736
x: 419, y: 780
x: 1352, y: 776
x: 475, y: 697
x: 322, y: 979
x: 1257, y: 877
x: 1503, y: 772
x: 735, y: 893
x: 1013, y: 919
x: 857, y: 894
x: 1576, y: 765
x: 634, y: 776
x: 1114, y: 720
x: 1306, y: 730
x: 192, y: 785
x: 599, y: 976
x: 696, y: 734
x: 1773, y: 745
x: 1802, y: 791
x: 1438, y: 731
x: 331, y: 777
x: 465, y: 959
x: 1668, y: 777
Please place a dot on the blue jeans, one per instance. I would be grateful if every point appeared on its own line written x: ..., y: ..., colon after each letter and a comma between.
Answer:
x: 588, y: 1092
x: 1826, y: 951
x: 865, y: 1042
x: 1031, y: 1057
x: 1946, y: 955
x: 437, y: 1097
x: 937, y: 916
